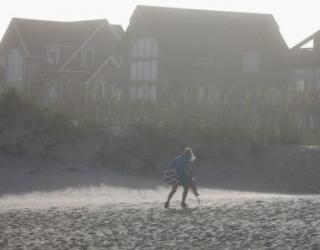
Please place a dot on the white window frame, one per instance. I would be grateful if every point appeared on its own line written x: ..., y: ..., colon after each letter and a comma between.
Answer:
x: 53, y: 59
x: 115, y: 93
x: 306, y: 79
x: 143, y: 93
x: 144, y: 64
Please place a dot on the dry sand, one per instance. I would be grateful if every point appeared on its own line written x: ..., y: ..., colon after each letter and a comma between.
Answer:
x: 118, y: 218
x: 250, y: 224
x: 114, y: 213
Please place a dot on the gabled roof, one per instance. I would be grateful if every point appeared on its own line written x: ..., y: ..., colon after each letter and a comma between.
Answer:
x: 308, y: 39
x: 37, y: 34
x: 118, y: 30
x: 197, y: 30
x: 305, y: 54
x: 110, y: 60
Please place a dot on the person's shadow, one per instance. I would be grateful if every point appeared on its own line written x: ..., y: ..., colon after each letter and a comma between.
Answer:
x: 184, y: 211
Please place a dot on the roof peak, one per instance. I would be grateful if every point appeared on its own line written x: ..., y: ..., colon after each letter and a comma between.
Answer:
x: 53, y: 21
x: 200, y: 10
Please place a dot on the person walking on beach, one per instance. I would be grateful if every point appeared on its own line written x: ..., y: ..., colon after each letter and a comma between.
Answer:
x: 180, y: 174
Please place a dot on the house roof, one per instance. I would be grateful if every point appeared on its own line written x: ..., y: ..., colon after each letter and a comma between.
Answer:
x: 169, y: 12
x: 304, y: 54
x: 315, y: 35
x: 37, y: 34
x: 197, y: 30
x: 118, y: 30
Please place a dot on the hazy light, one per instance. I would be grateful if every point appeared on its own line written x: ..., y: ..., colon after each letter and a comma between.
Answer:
x: 297, y: 19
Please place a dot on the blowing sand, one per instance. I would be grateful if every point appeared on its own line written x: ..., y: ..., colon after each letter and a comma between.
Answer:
x: 56, y: 208
x: 93, y: 218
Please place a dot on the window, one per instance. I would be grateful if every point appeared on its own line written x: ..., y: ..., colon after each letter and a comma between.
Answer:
x: 87, y: 58
x: 143, y: 93
x: 71, y: 89
x: 139, y: 93
x: 300, y: 85
x: 154, y: 70
x: 99, y: 90
x: 145, y: 48
x: 306, y: 79
x: 144, y: 64
x: 15, y: 66
x: 2, y: 61
x: 317, y: 80
x: 132, y: 93
x: 153, y: 93
x: 53, y: 55
x: 115, y: 93
x: 144, y: 70
x: 201, y: 93
x: 53, y: 92
x: 133, y: 71
x: 251, y: 61
x: 312, y: 124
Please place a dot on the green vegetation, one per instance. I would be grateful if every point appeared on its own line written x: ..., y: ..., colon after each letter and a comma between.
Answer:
x: 23, y: 123
x: 143, y: 136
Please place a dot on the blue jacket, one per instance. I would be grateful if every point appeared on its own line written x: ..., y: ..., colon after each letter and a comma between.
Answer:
x: 180, y: 165
x: 181, y: 162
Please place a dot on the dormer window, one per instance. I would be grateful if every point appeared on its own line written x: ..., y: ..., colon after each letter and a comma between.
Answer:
x: 87, y: 58
x: 144, y: 63
x: 53, y: 55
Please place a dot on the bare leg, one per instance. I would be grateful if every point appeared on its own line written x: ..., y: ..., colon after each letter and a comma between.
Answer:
x: 172, y: 192
x: 184, y: 195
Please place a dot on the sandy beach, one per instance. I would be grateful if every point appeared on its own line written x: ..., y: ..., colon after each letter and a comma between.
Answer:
x: 82, y: 219
x: 65, y: 206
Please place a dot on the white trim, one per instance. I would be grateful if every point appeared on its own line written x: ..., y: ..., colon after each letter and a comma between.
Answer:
x: 82, y: 45
x: 110, y: 59
x: 58, y: 46
x: 53, y: 60
x: 35, y: 56
x: 74, y: 71
x: 20, y: 37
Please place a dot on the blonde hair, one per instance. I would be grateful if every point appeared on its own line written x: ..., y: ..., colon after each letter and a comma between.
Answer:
x: 189, y: 151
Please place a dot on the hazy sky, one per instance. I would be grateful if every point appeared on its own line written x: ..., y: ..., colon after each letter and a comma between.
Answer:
x: 297, y: 19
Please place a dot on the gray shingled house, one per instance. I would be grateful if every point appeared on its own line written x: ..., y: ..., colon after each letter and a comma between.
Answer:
x: 170, y: 52
x: 65, y: 62
x: 304, y: 62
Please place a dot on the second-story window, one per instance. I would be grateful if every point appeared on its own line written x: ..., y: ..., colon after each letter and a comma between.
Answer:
x: 251, y: 62
x: 15, y: 67
x: 144, y: 63
x: 304, y: 79
x: 87, y: 58
x: 53, y: 55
